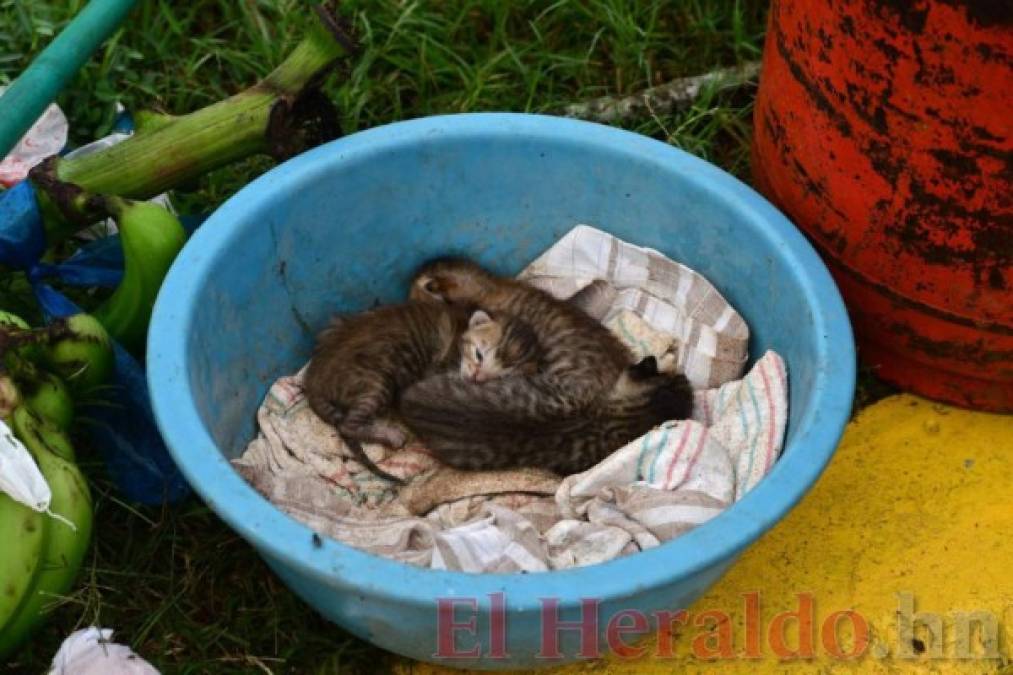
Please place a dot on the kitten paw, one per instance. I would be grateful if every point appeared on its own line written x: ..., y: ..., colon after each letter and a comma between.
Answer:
x: 668, y: 363
x: 393, y: 437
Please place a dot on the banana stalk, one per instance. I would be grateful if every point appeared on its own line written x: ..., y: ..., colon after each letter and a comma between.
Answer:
x: 17, y: 338
x: 281, y: 115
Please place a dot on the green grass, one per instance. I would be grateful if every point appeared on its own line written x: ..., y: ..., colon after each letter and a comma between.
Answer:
x: 176, y: 584
x: 416, y: 59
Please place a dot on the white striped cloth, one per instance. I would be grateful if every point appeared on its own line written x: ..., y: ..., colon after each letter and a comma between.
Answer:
x: 709, y: 337
x: 657, y: 487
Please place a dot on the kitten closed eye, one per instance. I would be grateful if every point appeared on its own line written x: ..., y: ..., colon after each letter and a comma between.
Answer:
x: 495, y: 346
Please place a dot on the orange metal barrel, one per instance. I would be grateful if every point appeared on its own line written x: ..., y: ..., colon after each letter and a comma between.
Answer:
x: 883, y: 129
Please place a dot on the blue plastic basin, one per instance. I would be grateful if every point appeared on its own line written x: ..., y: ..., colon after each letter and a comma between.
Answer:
x: 343, y: 225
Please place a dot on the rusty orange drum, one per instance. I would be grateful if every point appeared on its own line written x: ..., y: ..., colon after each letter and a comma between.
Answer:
x: 883, y: 129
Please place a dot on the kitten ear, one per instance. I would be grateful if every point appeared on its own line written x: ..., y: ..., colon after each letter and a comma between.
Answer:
x: 424, y: 288
x: 646, y: 367
x: 479, y: 318
x: 428, y: 285
x: 594, y: 299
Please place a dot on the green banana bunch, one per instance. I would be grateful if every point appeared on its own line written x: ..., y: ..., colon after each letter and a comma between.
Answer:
x: 18, y: 523
x: 10, y: 395
x: 47, y: 395
x: 82, y: 355
x: 76, y: 350
x: 41, y: 554
x: 23, y: 532
x: 42, y: 391
x: 151, y: 237
x: 13, y: 322
x: 62, y: 546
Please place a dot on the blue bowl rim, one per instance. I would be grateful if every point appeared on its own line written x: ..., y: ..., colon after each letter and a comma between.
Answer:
x: 289, y: 542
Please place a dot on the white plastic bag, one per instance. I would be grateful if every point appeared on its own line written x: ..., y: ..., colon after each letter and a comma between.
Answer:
x: 90, y: 652
x: 19, y: 476
x: 46, y: 137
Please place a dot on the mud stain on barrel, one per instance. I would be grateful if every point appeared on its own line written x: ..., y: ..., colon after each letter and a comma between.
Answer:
x: 985, y: 13
x: 910, y: 14
x: 989, y: 252
x: 973, y: 352
x: 819, y: 99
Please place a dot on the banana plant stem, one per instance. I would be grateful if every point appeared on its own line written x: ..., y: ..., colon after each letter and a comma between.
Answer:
x: 282, y: 115
x: 19, y: 337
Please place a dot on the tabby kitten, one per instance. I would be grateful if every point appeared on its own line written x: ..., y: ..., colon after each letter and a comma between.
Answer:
x: 492, y: 348
x: 582, y: 358
x: 362, y: 362
x: 477, y: 434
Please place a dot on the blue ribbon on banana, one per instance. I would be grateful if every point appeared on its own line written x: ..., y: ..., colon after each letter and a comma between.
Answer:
x: 134, y: 261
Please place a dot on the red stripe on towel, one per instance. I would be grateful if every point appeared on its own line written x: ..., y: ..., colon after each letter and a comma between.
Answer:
x: 678, y: 451
x: 413, y: 466
x: 770, y: 418
x: 336, y: 476
x: 696, y: 455
x: 419, y: 448
x: 780, y: 374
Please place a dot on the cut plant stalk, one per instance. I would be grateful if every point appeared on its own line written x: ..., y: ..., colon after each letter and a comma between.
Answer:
x: 282, y: 115
x: 15, y: 338
x: 663, y: 99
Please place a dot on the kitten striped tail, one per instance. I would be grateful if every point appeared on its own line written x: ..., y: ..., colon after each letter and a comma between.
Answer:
x: 362, y: 458
x: 334, y: 416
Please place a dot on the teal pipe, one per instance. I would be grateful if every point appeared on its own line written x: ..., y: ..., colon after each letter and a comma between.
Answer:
x: 37, y: 87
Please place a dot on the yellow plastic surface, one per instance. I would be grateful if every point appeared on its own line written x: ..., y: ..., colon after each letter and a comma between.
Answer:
x: 913, y: 516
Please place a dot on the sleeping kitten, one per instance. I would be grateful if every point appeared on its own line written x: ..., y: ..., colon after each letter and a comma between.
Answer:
x: 361, y: 363
x: 477, y: 435
x: 492, y: 348
x: 588, y: 400
x: 582, y: 358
